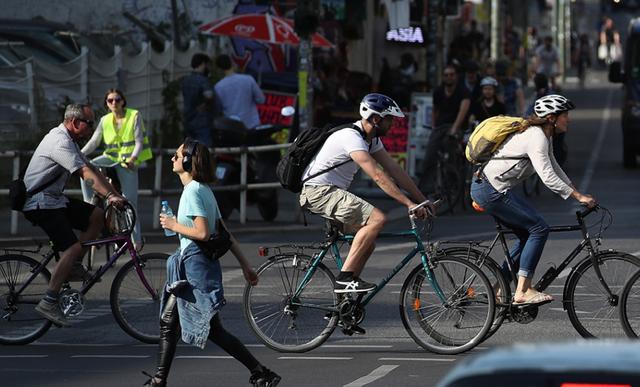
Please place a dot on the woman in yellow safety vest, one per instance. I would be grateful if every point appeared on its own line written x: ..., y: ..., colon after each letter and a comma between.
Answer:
x: 126, y: 147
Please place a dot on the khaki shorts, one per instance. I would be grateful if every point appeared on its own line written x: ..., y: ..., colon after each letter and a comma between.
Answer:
x: 334, y: 203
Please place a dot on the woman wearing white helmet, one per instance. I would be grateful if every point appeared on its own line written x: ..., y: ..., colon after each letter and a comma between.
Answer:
x: 523, y: 154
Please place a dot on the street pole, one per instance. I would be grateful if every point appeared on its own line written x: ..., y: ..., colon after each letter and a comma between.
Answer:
x: 305, y: 92
x: 496, y: 41
x: 560, y: 35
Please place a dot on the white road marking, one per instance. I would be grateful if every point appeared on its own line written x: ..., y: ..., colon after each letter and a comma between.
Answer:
x: 314, y: 358
x: 109, y: 356
x: 595, y: 153
x: 376, y: 374
x: 203, y: 357
x: 415, y: 359
x: 637, y: 254
x: 22, y: 356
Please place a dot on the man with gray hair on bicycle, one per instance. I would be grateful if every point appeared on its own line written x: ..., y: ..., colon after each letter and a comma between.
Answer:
x: 326, y: 194
x: 54, y: 160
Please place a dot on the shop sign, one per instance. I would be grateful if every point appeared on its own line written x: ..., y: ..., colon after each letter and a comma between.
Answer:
x: 406, y: 35
x: 269, y: 111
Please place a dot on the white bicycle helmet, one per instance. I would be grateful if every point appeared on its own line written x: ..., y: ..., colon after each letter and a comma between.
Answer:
x: 379, y: 104
x: 552, y: 104
x: 488, y: 81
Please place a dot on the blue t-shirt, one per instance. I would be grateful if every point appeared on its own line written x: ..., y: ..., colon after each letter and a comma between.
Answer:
x: 197, y: 200
x: 238, y: 95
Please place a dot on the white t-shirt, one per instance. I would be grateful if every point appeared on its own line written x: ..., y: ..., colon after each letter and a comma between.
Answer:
x: 535, y: 153
x: 548, y: 60
x: 337, y: 149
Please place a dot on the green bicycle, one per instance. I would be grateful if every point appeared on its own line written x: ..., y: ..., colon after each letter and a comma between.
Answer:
x: 446, y: 303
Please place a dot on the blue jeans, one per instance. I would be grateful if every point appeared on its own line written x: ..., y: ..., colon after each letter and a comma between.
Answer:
x: 516, y: 213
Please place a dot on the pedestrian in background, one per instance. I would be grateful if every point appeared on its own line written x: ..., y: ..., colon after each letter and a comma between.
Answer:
x: 548, y: 61
x: 509, y: 89
x: 487, y: 105
x: 199, y: 107
x: 238, y: 94
x: 126, y: 143
x: 194, y: 294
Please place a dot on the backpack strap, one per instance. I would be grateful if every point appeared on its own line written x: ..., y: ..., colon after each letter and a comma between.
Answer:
x: 332, y: 131
x: 45, y: 185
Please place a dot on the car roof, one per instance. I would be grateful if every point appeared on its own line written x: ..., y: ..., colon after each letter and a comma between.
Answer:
x: 583, y: 355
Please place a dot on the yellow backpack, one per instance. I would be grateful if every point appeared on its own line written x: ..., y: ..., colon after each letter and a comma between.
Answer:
x: 490, y: 134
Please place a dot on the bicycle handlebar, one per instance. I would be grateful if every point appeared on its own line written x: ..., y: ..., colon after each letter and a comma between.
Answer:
x: 413, y: 210
x: 587, y: 211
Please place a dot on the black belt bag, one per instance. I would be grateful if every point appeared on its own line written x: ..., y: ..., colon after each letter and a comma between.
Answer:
x: 217, y: 245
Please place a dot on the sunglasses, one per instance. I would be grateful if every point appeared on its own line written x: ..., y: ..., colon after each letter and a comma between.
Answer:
x: 112, y: 100
x: 176, y: 156
x: 88, y: 122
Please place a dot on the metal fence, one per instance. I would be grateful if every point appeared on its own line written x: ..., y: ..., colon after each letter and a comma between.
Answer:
x: 33, y: 92
x: 157, y: 191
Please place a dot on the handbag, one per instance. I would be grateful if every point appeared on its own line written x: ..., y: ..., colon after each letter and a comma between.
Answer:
x: 18, y: 192
x: 217, y: 245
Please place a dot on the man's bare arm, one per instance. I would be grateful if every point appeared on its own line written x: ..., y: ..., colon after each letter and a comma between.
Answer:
x: 399, y: 175
x: 380, y: 177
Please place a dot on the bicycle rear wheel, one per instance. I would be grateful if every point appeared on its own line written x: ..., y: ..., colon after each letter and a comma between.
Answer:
x: 462, y: 320
x: 591, y: 311
x: 285, y: 322
x: 499, y: 284
x: 630, y: 306
x: 134, y: 308
x: 19, y: 322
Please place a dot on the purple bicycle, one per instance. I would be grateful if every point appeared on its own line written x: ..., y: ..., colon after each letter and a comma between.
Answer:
x: 134, y: 296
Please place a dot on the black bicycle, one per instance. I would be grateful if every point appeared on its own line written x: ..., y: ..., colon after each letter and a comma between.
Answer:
x: 592, y: 291
x: 630, y: 306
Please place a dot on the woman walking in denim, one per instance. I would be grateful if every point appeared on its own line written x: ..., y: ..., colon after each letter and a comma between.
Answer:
x: 523, y: 154
x: 194, y: 293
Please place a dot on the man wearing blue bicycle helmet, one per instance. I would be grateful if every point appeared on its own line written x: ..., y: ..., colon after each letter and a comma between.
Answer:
x: 351, y: 148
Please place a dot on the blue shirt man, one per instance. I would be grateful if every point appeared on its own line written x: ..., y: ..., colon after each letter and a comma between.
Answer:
x: 238, y: 94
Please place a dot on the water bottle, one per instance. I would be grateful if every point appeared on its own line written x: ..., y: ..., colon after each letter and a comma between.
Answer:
x: 166, y: 209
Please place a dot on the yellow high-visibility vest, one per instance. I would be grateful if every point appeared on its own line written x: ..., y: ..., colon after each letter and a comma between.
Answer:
x: 119, y: 144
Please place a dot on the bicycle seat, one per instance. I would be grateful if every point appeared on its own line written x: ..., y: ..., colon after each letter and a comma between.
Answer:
x: 333, y: 228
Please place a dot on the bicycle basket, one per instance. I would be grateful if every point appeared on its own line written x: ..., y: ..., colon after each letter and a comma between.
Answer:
x: 119, y: 221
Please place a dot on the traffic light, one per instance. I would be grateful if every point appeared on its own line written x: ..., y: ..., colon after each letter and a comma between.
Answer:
x: 306, y: 18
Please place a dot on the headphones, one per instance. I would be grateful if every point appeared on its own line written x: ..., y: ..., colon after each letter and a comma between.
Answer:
x: 188, y: 152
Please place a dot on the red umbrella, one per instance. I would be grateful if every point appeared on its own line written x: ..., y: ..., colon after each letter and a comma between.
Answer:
x: 263, y: 27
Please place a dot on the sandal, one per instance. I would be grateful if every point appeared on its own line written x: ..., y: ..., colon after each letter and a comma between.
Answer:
x: 537, y: 300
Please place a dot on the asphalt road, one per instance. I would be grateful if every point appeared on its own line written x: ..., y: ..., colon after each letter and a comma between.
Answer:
x: 95, y: 352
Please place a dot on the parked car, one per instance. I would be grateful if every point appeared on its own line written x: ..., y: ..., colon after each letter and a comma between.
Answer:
x: 578, y: 364
x: 629, y: 76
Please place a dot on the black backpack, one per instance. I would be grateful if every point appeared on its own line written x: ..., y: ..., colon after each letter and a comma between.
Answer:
x: 303, y: 149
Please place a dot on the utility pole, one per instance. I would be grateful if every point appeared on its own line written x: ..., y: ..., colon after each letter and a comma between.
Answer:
x: 305, y: 24
x: 496, y: 29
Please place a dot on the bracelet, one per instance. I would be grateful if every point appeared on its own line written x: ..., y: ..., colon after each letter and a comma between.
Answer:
x: 108, y: 195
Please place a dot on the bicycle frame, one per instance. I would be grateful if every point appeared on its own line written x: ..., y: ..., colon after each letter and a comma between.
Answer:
x: 331, y: 244
x: 124, y: 243
x: 553, y: 273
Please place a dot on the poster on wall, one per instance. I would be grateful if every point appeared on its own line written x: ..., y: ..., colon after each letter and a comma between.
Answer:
x: 419, y: 131
x: 269, y: 111
x: 395, y: 141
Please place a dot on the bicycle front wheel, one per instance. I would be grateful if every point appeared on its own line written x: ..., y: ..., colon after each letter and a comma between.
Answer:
x: 630, y: 306
x: 591, y: 310
x: 284, y: 321
x: 19, y: 322
x: 457, y: 323
x: 136, y: 310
